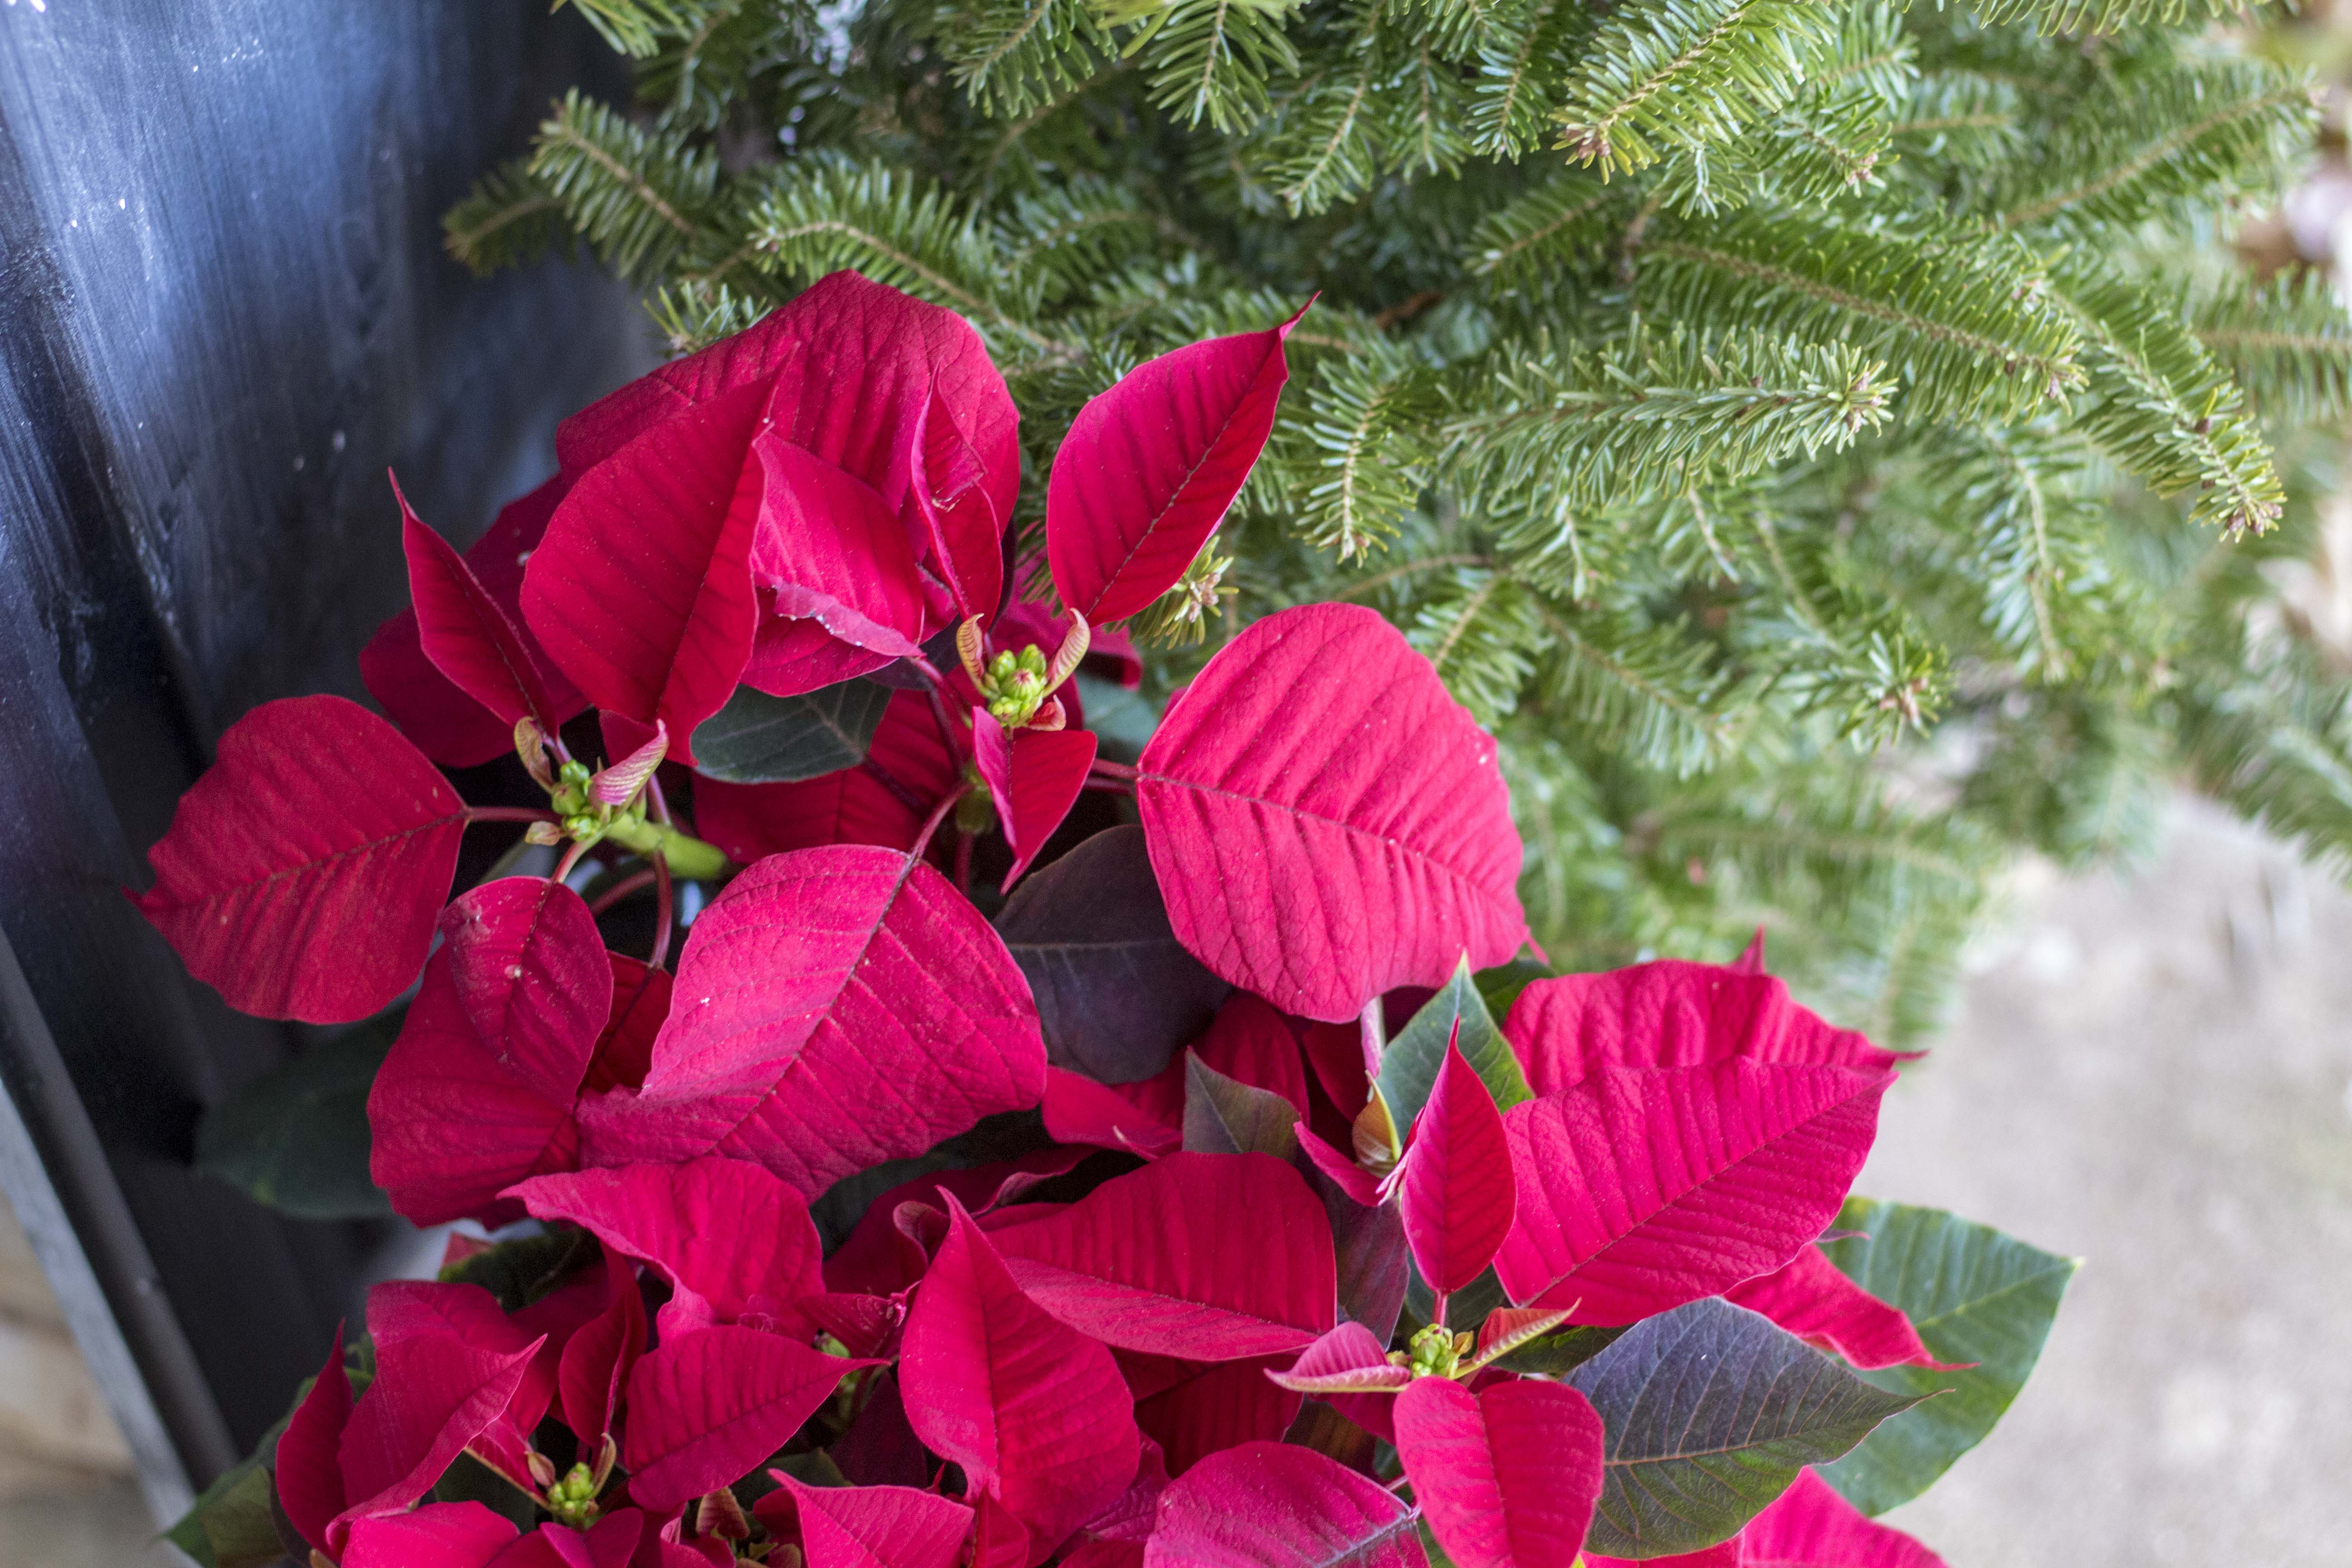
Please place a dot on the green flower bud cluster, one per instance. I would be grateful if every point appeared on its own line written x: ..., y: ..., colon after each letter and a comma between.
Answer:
x: 1433, y: 1352
x: 1015, y: 685
x: 573, y: 1499
x: 584, y: 816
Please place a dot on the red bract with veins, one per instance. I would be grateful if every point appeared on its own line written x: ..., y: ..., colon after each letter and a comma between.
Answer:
x: 821, y: 1196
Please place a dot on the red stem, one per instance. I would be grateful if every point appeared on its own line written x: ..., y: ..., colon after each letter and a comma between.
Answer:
x: 627, y: 887
x: 939, y: 815
x: 507, y: 813
x: 570, y: 859
x: 963, y: 864
x: 1114, y: 787
x: 662, y: 910
x: 1437, y: 1310
x: 1109, y: 769
x: 657, y: 803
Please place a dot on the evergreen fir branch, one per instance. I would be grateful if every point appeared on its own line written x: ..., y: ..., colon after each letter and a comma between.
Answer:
x: 1209, y: 60
x: 694, y: 316
x: 1962, y: 118
x: 1867, y: 52
x: 1426, y: 103
x: 1482, y: 633
x: 2081, y: 18
x: 2194, y: 133
x: 633, y: 27
x: 2288, y: 343
x: 1960, y: 319
x: 1520, y: 71
x: 1463, y: 30
x: 1816, y: 151
x: 2164, y: 410
x: 1655, y: 694
x: 1015, y: 58
x: 708, y: 57
x: 510, y: 218
x: 1362, y: 416
x: 2036, y: 532
x: 1076, y: 234
x: 824, y: 214
x: 1834, y: 833
x: 2275, y: 741
x: 1565, y: 224
x: 1661, y: 74
x: 640, y: 199
x: 1585, y: 428
x: 2082, y: 776
x: 1324, y: 146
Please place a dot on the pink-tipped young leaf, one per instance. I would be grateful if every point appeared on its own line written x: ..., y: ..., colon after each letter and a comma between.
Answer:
x: 302, y: 874
x: 618, y: 784
x: 439, y: 1535
x: 1670, y: 1013
x: 433, y: 1395
x: 1150, y: 466
x: 477, y: 1092
x: 1456, y: 1188
x: 1035, y: 1412
x: 726, y: 1230
x: 1508, y: 1328
x: 1208, y: 1256
x: 1641, y: 1191
x: 1348, y: 1370
x: 876, y: 1527
x: 309, y: 1478
x: 1271, y: 1505
x: 1361, y: 1185
x: 642, y: 590
x: 465, y: 632
x: 1509, y: 1476
x: 835, y: 1008
x: 1811, y: 1526
x: 1813, y: 1298
x: 1327, y: 823
x: 448, y: 725
x: 704, y: 1409
x: 1033, y: 777
x: 828, y: 550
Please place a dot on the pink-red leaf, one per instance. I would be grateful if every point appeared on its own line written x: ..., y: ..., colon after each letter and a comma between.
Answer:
x: 612, y: 1541
x: 999, y: 1538
x: 1670, y: 1013
x: 1325, y: 822
x: 1208, y: 1257
x: 1033, y: 777
x: 477, y: 1092
x: 1221, y: 1408
x: 870, y: 1260
x: 1509, y: 1477
x: 1077, y: 1110
x: 705, y: 1408
x: 828, y: 550
x: 1270, y: 1505
x: 837, y: 1007
x: 1348, y: 1370
x: 1035, y: 1412
x: 1456, y: 1188
x: 1810, y: 1526
x: 447, y: 725
x: 724, y: 1230
x: 433, y: 1395
x: 642, y: 590
x: 876, y: 1527
x: 302, y: 874
x: 465, y: 632
x: 641, y: 996
x: 309, y: 1478
x: 594, y: 1372
x: 1641, y: 1191
x: 440, y: 1535
x: 1150, y: 466
x: 1813, y: 1298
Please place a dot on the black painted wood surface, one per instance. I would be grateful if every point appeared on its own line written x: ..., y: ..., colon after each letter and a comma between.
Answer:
x: 224, y: 311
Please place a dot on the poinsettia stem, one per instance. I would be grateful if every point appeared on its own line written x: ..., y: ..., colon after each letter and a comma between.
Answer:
x: 688, y: 855
x: 662, y: 911
x: 1438, y: 1310
x: 1113, y: 786
x: 570, y: 859
x: 935, y: 687
x: 939, y: 815
x: 508, y: 814
x: 627, y: 887
x: 656, y: 802
x: 1110, y: 769
x: 963, y: 864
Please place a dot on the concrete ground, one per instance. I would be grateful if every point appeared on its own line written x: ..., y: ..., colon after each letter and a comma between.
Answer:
x: 2154, y: 1072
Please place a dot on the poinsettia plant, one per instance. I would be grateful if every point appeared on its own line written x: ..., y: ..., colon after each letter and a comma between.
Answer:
x: 1192, y: 1209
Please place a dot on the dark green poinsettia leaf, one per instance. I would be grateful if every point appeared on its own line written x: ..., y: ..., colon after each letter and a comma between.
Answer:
x: 1409, y: 1065
x: 467, y: 1479
x: 1465, y: 1308
x: 521, y: 1271
x: 1554, y: 1355
x: 1976, y: 1296
x: 760, y: 739
x: 1500, y: 987
x: 1711, y: 1411
x: 1225, y: 1116
x: 296, y: 1139
x: 230, y: 1526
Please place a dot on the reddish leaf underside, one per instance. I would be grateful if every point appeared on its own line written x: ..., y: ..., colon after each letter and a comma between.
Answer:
x: 477, y: 1092
x: 877, y: 1527
x: 1150, y: 466
x: 1226, y: 1405
x: 1810, y: 1526
x: 642, y: 590
x: 1327, y: 824
x: 1271, y: 1505
x: 433, y: 1395
x: 827, y: 550
x: 1208, y: 1257
x: 1033, y: 777
x: 309, y: 1478
x: 835, y: 1007
x: 1035, y: 1412
x: 593, y: 1371
x: 1670, y: 1013
x: 466, y: 634
x: 301, y: 873
x: 1456, y: 1188
x: 1509, y: 1476
x: 1641, y: 1191
x: 1815, y: 1299
x: 439, y: 1535
x: 707, y: 1408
